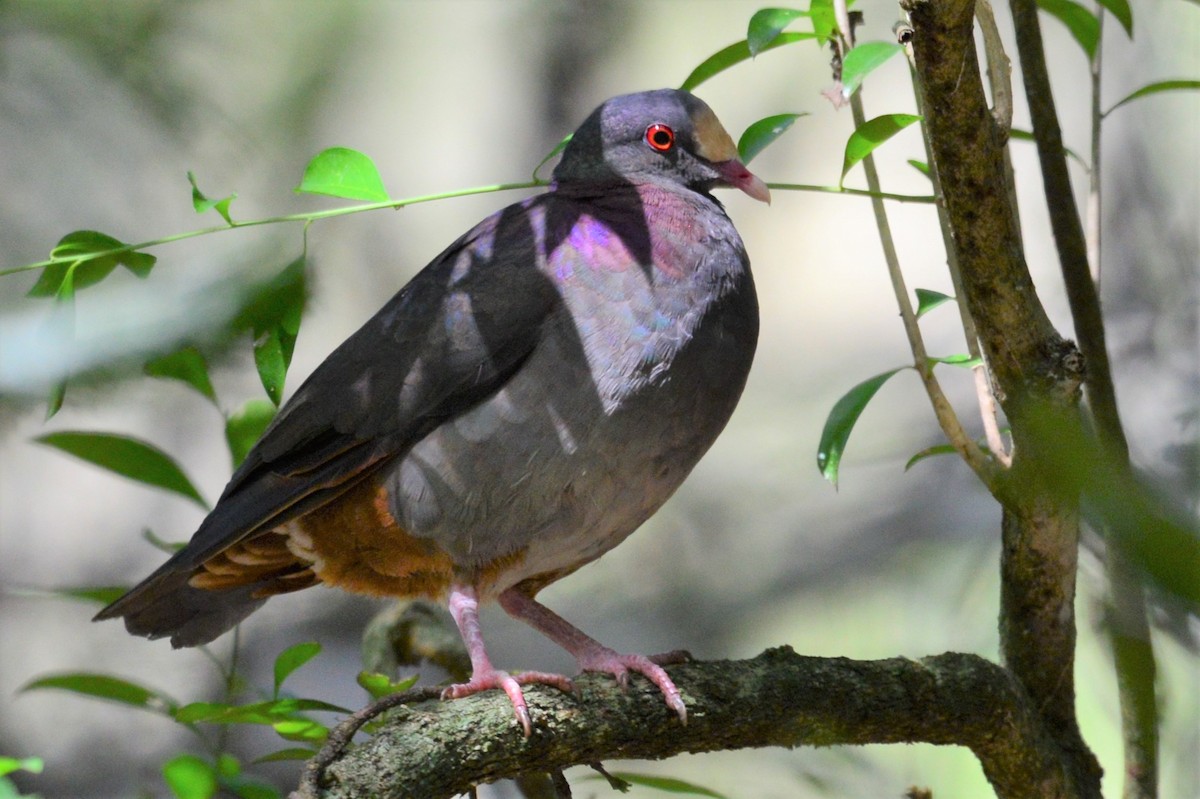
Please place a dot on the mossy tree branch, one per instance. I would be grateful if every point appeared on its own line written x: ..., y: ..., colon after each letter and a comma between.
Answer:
x: 440, y: 748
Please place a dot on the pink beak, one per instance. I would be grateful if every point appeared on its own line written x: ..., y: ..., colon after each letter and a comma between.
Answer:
x: 736, y: 175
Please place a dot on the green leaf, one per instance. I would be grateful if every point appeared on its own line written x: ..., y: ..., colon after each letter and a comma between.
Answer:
x: 291, y: 753
x: 762, y: 133
x: 1156, y: 88
x: 342, y: 172
x: 870, y: 135
x: 228, y: 766
x: 920, y: 166
x: 766, y: 24
x: 33, y: 765
x: 302, y: 730
x: 823, y: 19
x: 170, y: 547
x: 128, y: 457
x: 186, y: 365
x: 245, y: 427
x: 291, y: 659
x: 841, y: 423
x: 215, y: 712
x: 50, y: 282
x: 1121, y: 10
x: 252, y: 789
x: 271, y: 360
x: 380, y: 685
x: 189, y: 777
x: 278, y: 302
x: 927, y: 300
x: 273, y: 316
x: 55, y: 399
x: 929, y: 452
x: 863, y: 60
x: 103, y: 686
x: 101, y: 595
x: 960, y: 359
x: 734, y: 54
x: 59, y: 280
x: 270, y: 712
x: 203, y: 204
x: 1083, y: 24
x: 667, y: 784
x: 82, y: 249
x: 62, y: 323
x: 376, y: 684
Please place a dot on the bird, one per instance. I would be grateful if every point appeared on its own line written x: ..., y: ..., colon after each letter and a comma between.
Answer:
x: 518, y: 409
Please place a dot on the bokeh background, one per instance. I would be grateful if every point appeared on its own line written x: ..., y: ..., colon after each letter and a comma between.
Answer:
x: 105, y: 106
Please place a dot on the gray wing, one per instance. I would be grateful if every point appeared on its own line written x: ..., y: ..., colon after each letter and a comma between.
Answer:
x: 447, y: 341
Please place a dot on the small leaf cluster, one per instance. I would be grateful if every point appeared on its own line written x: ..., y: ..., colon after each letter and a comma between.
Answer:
x: 8, y: 765
x: 191, y: 776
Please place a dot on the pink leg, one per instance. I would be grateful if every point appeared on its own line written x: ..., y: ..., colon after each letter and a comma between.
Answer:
x: 591, y: 654
x: 464, y: 607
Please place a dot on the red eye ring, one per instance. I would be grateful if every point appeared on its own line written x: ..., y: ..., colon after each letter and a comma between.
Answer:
x: 660, y: 137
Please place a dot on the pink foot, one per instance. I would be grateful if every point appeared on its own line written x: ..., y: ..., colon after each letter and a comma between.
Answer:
x: 464, y: 607
x: 511, y: 685
x: 591, y: 654
x: 605, y: 660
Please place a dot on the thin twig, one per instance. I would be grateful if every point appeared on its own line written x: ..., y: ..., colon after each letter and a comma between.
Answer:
x: 1130, y: 635
x: 927, y: 199
x: 1094, y: 199
x: 341, y: 735
x: 309, y: 217
x: 841, y: 12
x: 999, y: 69
x: 1128, y: 624
x: 943, y: 410
x: 999, y: 75
x: 983, y: 382
x: 306, y: 218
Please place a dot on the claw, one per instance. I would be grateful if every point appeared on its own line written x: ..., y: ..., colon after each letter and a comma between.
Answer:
x: 675, y: 702
x: 511, y: 685
x: 610, y: 662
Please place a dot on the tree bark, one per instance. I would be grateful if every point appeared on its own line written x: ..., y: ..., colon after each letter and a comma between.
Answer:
x: 1037, y: 375
x: 442, y: 748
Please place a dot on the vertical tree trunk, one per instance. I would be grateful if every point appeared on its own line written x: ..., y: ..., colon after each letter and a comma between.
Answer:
x: 1037, y: 376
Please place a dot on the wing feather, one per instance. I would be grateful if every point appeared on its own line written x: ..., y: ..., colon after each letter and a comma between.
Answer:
x: 447, y: 341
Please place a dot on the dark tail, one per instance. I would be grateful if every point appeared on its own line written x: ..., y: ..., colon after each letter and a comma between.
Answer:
x: 164, y: 604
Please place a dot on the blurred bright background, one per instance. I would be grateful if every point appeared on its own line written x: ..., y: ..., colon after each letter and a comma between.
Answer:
x: 105, y: 106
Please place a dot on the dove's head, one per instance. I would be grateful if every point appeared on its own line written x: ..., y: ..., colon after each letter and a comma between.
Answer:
x: 663, y: 136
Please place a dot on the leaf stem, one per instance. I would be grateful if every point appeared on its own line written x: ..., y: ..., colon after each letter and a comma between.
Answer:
x: 309, y: 217
x: 999, y: 71
x: 942, y: 408
x: 928, y: 199
x: 305, y: 217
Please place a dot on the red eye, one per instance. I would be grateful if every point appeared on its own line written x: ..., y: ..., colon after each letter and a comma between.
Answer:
x: 660, y: 137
